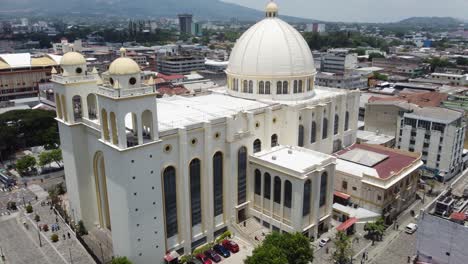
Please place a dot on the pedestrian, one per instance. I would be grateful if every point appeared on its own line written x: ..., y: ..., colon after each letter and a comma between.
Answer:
x: 398, y: 227
x: 36, y: 197
x: 367, y: 255
x: 69, y: 236
x: 409, y: 259
x: 56, y: 219
x: 63, y: 236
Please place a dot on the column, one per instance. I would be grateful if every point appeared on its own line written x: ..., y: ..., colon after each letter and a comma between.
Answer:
x: 183, y: 188
x: 315, y: 201
x: 139, y: 127
x: 207, y: 187
x: 121, y: 130
x: 296, y: 210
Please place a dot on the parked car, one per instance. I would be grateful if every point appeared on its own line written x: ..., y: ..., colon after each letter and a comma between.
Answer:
x: 324, y: 241
x: 213, y: 255
x: 204, y: 258
x: 222, y: 251
x: 411, y: 228
x: 230, y: 245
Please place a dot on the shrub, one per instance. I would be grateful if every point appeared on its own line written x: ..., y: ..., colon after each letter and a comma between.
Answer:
x: 186, y: 258
x: 121, y: 260
x: 11, y: 205
x: 54, y: 238
x: 203, y: 248
x: 45, y: 228
x: 37, y: 218
x: 226, y: 234
x: 29, y: 209
x: 81, y: 228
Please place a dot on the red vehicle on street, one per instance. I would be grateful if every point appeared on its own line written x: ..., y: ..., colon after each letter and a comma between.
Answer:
x: 204, y: 258
x: 231, y: 245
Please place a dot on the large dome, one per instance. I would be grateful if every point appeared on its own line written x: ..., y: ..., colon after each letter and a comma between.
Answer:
x: 72, y: 58
x: 271, y: 48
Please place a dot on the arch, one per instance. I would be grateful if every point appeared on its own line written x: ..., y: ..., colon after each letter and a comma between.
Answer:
x: 323, y: 189
x: 250, y: 86
x: 100, y: 182
x: 91, y: 102
x: 58, y: 106
x: 77, y: 108
x: 267, y: 186
x: 218, y: 183
x: 242, y: 175
x: 279, y: 87
x: 277, y: 190
x: 104, y: 125
x: 274, y: 140
x: 346, y: 122
x: 257, y: 146
x: 295, y: 86
x: 115, y: 136
x: 261, y: 87
x: 287, y: 194
x: 245, y: 87
x: 336, y: 125
x: 147, y: 125
x: 325, y: 128
x: 131, y: 127
x: 313, y: 132
x: 306, y: 198
x: 195, y: 191
x: 267, y: 87
x: 258, y: 182
x: 170, y: 200
x: 285, y: 87
x: 64, y: 108
x: 300, y: 86
x: 300, y: 137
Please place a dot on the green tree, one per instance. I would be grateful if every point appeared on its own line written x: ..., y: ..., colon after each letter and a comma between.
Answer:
x: 381, y: 77
x: 25, y: 164
x: 44, y: 158
x: 54, y: 238
x: 343, y: 252
x: 375, y: 230
x: 462, y: 61
x: 121, y: 260
x: 295, y: 248
x: 436, y: 62
x: 375, y: 55
x: 56, y: 156
x: 29, y: 209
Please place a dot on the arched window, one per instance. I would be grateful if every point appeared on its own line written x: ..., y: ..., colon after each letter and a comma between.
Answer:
x: 250, y: 86
x: 279, y: 87
x: 287, y: 194
x: 274, y: 140
x: 336, y: 125
x: 325, y: 128
x: 147, y: 125
x: 170, y: 200
x: 313, y: 132
x: 131, y: 129
x: 267, y: 186
x: 104, y: 125
x: 306, y: 201
x: 258, y: 182
x: 242, y: 175
x: 323, y: 189
x: 300, y: 86
x: 300, y: 138
x: 245, y: 87
x: 267, y: 87
x: 218, y: 183
x: 257, y: 146
x: 285, y: 87
x: 77, y: 107
x: 295, y: 86
x: 346, y: 122
x: 113, y: 124
x: 236, y: 85
x: 92, y: 106
x: 261, y: 87
x: 277, y: 190
x: 195, y: 191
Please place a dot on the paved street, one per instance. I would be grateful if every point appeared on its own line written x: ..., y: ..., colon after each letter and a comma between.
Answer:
x: 16, y: 195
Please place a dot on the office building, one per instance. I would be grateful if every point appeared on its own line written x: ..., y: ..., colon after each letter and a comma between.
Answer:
x: 185, y: 24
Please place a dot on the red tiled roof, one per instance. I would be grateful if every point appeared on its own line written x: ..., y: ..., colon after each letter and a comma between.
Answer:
x: 341, y: 195
x: 347, y: 224
x: 458, y: 216
x: 170, y: 77
x: 395, y: 162
x: 426, y: 99
x: 176, y: 90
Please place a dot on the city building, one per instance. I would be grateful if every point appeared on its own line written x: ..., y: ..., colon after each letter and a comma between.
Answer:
x: 170, y: 174
x: 316, y: 28
x: 347, y: 81
x: 180, y: 64
x: 196, y: 29
x: 340, y: 62
x: 64, y: 46
x: 380, y: 179
x: 185, y: 23
x: 453, y: 79
x: 407, y: 66
x: 21, y: 74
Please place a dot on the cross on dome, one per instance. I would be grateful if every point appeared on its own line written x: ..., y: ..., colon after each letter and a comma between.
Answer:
x: 123, y: 52
x: 272, y: 9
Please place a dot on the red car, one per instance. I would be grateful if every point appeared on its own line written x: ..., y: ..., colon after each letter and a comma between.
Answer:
x: 204, y: 258
x: 231, y: 245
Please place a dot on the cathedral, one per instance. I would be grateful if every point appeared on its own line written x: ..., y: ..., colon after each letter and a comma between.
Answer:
x: 173, y: 173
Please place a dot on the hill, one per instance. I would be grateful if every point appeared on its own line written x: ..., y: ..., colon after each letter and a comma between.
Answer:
x: 430, y: 21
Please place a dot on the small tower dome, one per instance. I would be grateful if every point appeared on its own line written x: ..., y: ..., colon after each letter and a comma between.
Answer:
x: 124, y: 65
x: 72, y: 58
x: 272, y: 9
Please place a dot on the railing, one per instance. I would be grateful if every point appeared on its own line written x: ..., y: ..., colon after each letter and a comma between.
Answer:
x: 119, y: 93
x: 74, y: 79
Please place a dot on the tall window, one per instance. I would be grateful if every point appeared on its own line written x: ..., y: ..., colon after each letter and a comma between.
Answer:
x: 267, y: 185
x: 346, y: 122
x: 285, y: 87
x: 250, y: 86
x: 274, y: 140
x: 279, y: 87
x: 309, y: 87
x: 300, y: 86
x: 236, y: 84
x: 295, y: 86
x: 195, y: 191
x: 287, y: 194
x: 300, y: 139
x: 242, y: 175
x: 306, y: 201
x: 277, y: 190
x: 257, y: 146
x: 261, y: 87
x: 258, y: 182
x: 267, y: 88
x: 218, y: 183
x: 323, y: 189
x: 245, y: 86
x: 325, y: 128
x: 170, y: 200
x: 313, y: 132
x: 336, y: 125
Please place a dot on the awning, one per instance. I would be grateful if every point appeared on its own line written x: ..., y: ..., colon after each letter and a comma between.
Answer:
x: 341, y: 195
x: 347, y: 224
x: 171, y: 256
x: 458, y: 216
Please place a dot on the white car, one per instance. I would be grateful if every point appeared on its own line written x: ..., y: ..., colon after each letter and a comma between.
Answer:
x: 411, y: 228
x: 324, y: 241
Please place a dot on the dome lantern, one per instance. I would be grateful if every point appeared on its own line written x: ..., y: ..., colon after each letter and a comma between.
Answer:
x: 272, y: 9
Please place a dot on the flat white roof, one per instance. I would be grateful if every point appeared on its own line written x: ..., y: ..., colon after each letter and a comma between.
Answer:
x: 373, y: 138
x: 363, y: 157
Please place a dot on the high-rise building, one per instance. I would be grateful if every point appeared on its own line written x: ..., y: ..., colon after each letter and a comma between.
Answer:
x: 185, y: 23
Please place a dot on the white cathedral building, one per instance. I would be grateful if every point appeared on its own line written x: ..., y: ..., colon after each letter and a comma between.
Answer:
x: 164, y: 174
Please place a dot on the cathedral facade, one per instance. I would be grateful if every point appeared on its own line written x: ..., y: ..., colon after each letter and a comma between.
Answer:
x: 173, y: 173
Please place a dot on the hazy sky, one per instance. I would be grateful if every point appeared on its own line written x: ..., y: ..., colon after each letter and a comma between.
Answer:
x: 364, y: 10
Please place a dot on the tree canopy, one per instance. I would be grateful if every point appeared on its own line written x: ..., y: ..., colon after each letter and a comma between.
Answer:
x: 375, y: 230
x: 121, y: 260
x: 343, y: 252
x: 282, y: 248
x: 318, y: 41
x: 25, y: 164
x: 47, y: 157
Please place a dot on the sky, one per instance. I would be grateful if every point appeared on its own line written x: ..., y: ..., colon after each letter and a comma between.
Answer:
x: 364, y: 10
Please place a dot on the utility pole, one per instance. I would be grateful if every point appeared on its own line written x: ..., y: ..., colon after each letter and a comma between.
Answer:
x: 71, y: 259
x: 39, y: 235
x: 102, y: 253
